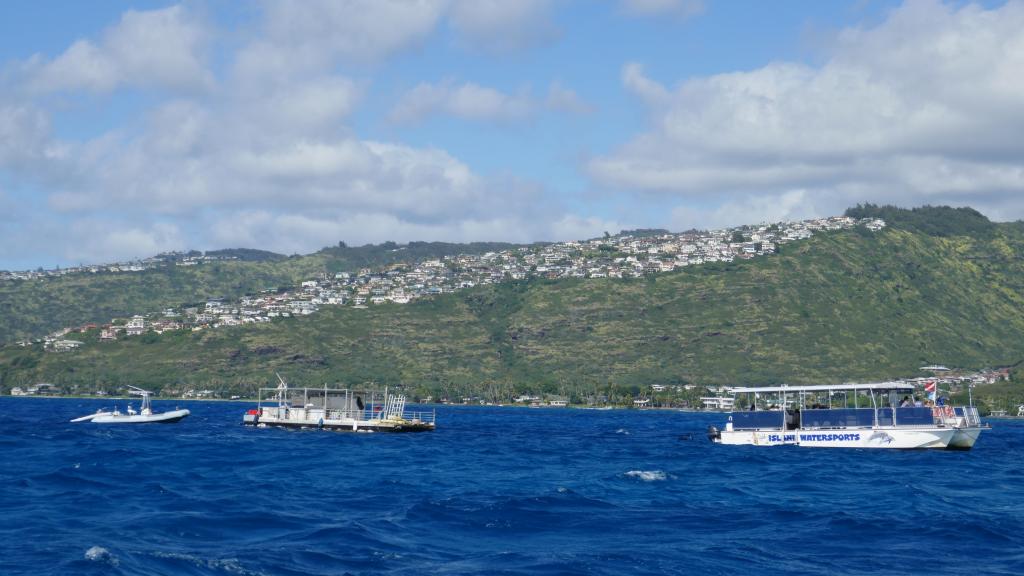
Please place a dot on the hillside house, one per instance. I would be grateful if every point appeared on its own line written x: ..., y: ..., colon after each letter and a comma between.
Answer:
x: 66, y: 345
x: 136, y: 326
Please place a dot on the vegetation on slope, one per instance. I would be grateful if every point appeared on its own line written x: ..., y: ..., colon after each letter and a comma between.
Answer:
x: 31, y: 308
x: 843, y: 306
x: 941, y: 221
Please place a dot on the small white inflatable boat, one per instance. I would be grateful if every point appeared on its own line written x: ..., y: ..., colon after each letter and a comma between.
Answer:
x: 143, y: 416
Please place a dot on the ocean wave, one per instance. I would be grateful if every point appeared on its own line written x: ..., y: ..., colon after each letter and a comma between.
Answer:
x: 176, y: 561
x: 101, y: 554
x: 648, y: 475
x: 510, y: 491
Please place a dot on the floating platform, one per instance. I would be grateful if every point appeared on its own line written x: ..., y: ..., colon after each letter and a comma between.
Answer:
x: 336, y: 409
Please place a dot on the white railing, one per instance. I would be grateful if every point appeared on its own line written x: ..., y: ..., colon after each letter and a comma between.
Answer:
x: 958, y: 417
x: 970, y: 415
x: 379, y: 413
x: 394, y: 406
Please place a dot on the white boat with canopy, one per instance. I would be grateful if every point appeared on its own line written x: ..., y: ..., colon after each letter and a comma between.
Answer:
x: 144, y: 415
x: 335, y: 409
x: 877, y: 415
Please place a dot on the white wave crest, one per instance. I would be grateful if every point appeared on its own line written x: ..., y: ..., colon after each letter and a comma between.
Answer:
x: 100, y: 554
x: 227, y: 565
x: 622, y: 431
x: 648, y: 475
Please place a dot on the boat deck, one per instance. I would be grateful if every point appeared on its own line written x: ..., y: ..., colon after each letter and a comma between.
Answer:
x: 337, y: 409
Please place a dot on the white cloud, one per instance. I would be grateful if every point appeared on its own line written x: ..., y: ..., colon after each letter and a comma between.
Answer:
x: 304, y: 31
x: 7, y: 207
x: 104, y: 240
x: 503, y: 26
x: 259, y: 149
x: 678, y: 8
x: 299, y: 233
x: 563, y: 99
x: 311, y: 106
x: 471, y: 101
x: 24, y: 134
x: 651, y: 92
x: 162, y: 48
x: 189, y: 159
x: 747, y: 209
x: 927, y: 106
x: 574, y: 227
x: 465, y: 100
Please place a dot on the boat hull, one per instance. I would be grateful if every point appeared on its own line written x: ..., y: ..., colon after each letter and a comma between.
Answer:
x: 162, y: 418
x: 897, y: 438
x: 757, y: 437
x: 344, y: 425
x: 964, y: 438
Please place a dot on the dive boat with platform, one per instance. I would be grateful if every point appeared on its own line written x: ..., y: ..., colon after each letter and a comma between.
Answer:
x: 335, y: 409
x: 846, y: 416
x: 144, y: 415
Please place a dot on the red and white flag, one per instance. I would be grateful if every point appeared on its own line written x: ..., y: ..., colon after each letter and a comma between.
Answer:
x: 929, y: 387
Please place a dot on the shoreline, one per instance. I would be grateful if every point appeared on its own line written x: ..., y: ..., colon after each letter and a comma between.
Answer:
x: 156, y: 398
x: 434, y: 404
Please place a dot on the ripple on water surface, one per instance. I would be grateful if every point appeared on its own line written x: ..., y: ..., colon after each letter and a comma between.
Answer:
x: 492, y: 491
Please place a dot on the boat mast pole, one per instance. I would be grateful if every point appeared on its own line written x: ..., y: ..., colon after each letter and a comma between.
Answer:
x: 874, y: 406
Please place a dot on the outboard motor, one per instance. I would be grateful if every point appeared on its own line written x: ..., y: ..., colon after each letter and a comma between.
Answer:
x: 714, y: 434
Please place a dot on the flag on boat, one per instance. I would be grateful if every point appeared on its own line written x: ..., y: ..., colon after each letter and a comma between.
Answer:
x: 929, y: 387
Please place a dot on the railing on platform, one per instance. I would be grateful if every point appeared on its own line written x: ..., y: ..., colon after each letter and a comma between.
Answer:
x: 379, y: 413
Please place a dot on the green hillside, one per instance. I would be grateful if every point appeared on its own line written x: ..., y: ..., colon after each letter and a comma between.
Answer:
x: 852, y: 305
x: 31, y: 308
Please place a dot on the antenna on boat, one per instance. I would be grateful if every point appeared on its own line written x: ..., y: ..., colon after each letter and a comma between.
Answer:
x: 145, y: 408
x: 282, y: 388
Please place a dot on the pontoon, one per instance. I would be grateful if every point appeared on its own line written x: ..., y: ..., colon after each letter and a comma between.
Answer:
x: 878, y: 415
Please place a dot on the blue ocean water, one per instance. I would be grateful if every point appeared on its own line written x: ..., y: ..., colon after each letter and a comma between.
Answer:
x: 492, y: 491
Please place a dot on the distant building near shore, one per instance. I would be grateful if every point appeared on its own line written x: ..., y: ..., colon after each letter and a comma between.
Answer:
x: 934, y: 368
x: 37, y: 389
x: 717, y: 402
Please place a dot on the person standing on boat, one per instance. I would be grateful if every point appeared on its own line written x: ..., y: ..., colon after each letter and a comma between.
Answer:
x: 906, y: 402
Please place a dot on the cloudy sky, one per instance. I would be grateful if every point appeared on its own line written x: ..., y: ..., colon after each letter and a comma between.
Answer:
x: 128, y: 129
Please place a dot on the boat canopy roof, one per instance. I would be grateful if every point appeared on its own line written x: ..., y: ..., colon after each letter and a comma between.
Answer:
x: 824, y: 387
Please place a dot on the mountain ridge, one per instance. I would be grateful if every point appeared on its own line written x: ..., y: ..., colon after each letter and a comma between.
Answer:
x: 845, y: 305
